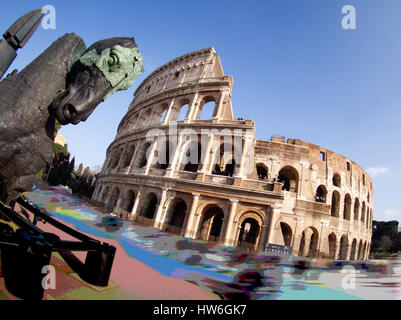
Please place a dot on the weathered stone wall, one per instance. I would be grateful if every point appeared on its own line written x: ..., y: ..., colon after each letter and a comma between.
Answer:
x: 277, y: 191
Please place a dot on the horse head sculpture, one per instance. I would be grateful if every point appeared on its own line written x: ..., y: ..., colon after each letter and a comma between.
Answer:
x: 105, y: 67
x: 66, y: 82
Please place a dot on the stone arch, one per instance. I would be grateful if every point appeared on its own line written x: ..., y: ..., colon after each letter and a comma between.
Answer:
x: 149, y: 206
x: 175, y: 217
x: 114, y: 197
x: 309, y: 242
x: 224, y: 159
x: 191, y: 156
x: 336, y: 180
x: 332, y: 245
x: 134, y: 122
x: 165, y: 154
x: 321, y: 194
x: 356, y: 209
x: 207, y: 108
x: 248, y: 237
x: 212, y: 222
x: 262, y: 171
x: 159, y: 113
x: 182, y: 110
x: 145, y: 117
x: 289, y: 177
x: 335, y: 204
x: 129, y: 200
x: 347, y: 207
x: 286, y: 232
x: 143, y: 154
x: 128, y: 155
x: 343, y: 247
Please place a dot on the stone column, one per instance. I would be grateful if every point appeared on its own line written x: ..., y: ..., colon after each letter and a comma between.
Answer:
x: 134, y: 211
x: 171, y: 168
x: 220, y: 105
x: 207, y: 160
x: 338, y: 243
x: 192, y: 108
x: 122, y: 156
x: 275, y: 215
x: 263, y: 237
x: 244, y: 161
x: 170, y: 108
x: 160, y: 210
x: 151, y: 156
x: 189, y: 228
x: 117, y: 208
x: 228, y: 239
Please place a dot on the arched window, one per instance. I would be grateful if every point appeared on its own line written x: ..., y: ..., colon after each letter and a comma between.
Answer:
x: 335, y: 204
x: 143, y: 155
x: 128, y: 155
x: 129, y: 200
x: 261, y: 171
x: 183, y: 112
x: 207, y: 107
x: 192, y: 157
x: 336, y: 180
x: 363, y: 212
x: 321, y: 194
x: 287, y: 233
x: 356, y: 209
x: 288, y: 176
x: 225, y: 160
x: 164, y: 155
x: 347, y: 207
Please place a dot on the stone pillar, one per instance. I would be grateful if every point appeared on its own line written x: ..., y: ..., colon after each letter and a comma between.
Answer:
x: 171, y: 168
x: 122, y: 156
x: 207, y: 159
x: 170, y: 108
x: 338, y: 243
x: 263, y: 237
x: 160, y: 210
x: 247, y: 144
x: 275, y: 215
x: 117, y: 208
x: 192, y: 108
x: 134, y: 211
x: 151, y: 156
x: 196, y: 225
x: 189, y: 227
x: 220, y: 105
x: 228, y: 239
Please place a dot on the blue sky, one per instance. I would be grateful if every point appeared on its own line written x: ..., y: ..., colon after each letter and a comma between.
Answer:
x: 296, y: 71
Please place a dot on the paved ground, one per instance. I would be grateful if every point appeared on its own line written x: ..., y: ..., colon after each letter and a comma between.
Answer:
x: 151, y: 264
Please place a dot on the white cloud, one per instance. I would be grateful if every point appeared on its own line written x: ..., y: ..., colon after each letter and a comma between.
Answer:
x: 375, y: 171
x: 390, y: 212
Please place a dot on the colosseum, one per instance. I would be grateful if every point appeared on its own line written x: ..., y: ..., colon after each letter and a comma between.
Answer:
x: 182, y: 163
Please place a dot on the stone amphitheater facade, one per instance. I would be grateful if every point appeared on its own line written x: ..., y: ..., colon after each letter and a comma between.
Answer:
x: 181, y: 163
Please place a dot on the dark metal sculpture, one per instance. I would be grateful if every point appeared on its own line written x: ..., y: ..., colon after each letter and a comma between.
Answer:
x: 66, y: 82
x: 16, y: 37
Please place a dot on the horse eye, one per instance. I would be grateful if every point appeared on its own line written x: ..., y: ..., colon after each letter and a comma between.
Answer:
x: 113, y: 60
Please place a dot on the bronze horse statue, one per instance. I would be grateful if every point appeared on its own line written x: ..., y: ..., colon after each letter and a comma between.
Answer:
x: 64, y: 83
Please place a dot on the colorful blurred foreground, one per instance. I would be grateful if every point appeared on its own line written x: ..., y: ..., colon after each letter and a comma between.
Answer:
x: 226, y: 272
